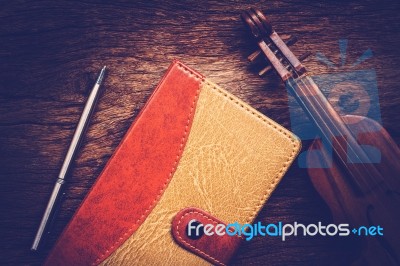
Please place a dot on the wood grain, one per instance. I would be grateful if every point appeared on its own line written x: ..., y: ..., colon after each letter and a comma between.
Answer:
x: 51, y: 52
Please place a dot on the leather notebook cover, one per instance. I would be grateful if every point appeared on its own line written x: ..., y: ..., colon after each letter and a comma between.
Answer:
x: 194, y: 152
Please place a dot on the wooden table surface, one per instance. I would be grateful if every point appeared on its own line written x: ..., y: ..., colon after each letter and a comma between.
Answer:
x: 51, y: 52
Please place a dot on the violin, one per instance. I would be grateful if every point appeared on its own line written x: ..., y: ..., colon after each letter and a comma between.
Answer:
x: 361, y: 186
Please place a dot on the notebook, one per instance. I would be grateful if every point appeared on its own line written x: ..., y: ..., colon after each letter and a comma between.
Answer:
x: 195, y: 153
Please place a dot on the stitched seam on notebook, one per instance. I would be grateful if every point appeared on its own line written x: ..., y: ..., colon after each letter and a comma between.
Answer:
x: 191, y: 74
x: 260, y: 117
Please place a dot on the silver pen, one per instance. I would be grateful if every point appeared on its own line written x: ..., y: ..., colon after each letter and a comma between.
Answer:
x: 73, y: 147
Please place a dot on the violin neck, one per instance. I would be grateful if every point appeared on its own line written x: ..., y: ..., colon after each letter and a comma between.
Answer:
x: 331, y: 126
x: 318, y: 108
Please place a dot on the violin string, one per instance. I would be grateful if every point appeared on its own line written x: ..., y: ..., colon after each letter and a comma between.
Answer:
x: 332, y: 134
x: 356, y: 169
x: 342, y: 149
x: 337, y: 190
x: 276, y: 51
x: 351, y: 171
x: 289, y: 67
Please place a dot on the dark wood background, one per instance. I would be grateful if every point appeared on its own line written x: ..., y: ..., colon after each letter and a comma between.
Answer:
x: 51, y: 52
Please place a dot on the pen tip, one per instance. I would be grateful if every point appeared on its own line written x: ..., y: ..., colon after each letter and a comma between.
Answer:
x: 101, y: 75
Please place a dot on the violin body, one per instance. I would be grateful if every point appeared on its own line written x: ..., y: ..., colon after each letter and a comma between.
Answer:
x: 379, y: 206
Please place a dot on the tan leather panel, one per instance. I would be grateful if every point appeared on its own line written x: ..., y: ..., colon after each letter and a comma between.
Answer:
x: 233, y: 159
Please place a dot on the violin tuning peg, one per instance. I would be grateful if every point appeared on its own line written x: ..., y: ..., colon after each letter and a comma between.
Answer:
x: 285, y: 37
x: 265, y: 70
x: 291, y: 40
x: 268, y: 68
x: 304, y: 56
x: 288, y: 39
x: 254, y: 56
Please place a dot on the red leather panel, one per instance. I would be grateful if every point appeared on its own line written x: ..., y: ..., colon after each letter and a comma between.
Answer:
x: 216, y: 249
x: 135, y: 176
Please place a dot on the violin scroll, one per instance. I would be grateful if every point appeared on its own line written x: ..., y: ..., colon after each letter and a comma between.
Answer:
x: 273, y: 47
